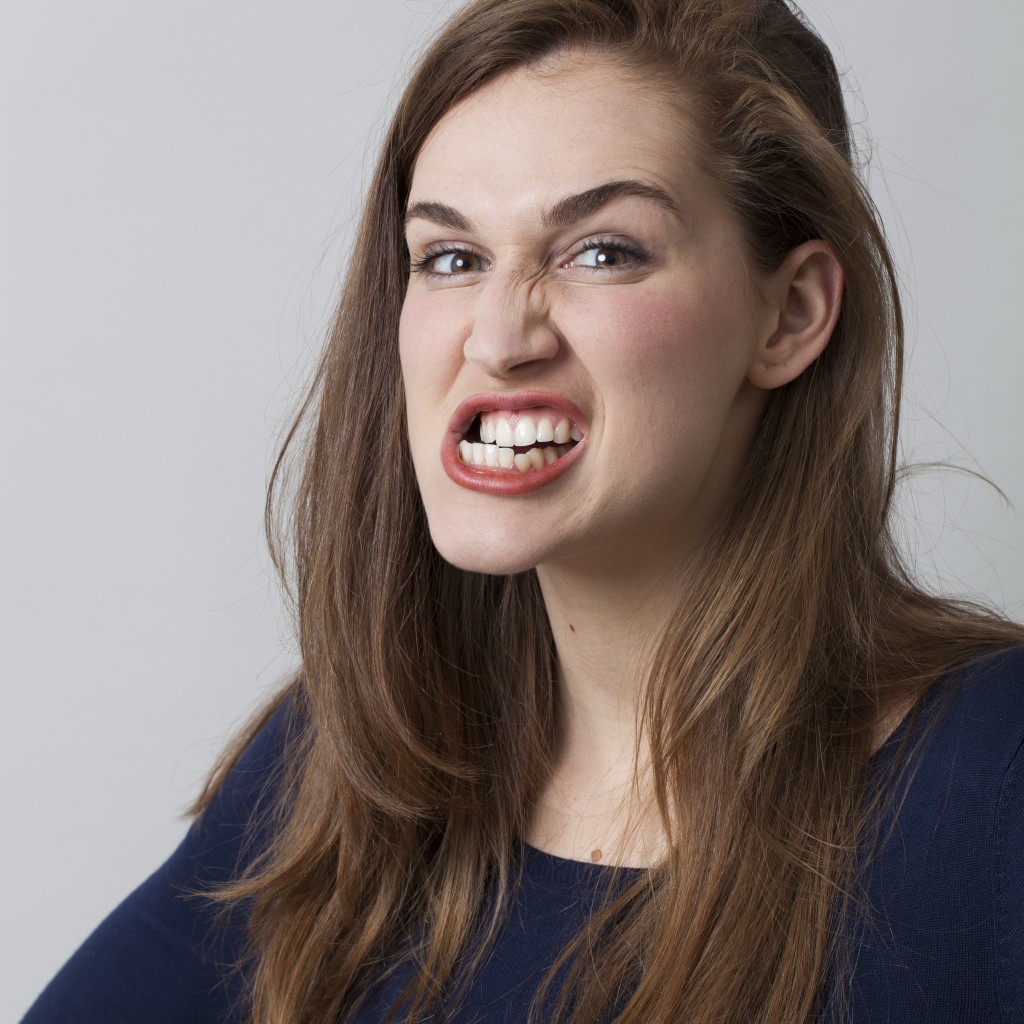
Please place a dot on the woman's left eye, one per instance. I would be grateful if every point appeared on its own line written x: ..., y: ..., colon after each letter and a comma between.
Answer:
x: 605, y: 256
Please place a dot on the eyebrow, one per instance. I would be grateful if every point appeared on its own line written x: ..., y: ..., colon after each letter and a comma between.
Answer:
x: 438, y: 213
x: 566, y: 211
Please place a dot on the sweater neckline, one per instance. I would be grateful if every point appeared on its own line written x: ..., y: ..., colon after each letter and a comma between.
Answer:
x: 548, y: 869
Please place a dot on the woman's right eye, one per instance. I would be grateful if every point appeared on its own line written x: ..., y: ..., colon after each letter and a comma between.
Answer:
x: 449, y: 263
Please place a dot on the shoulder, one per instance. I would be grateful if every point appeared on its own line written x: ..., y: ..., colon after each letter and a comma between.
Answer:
x: 252, y: 768
x: 238, y: 815
x: 943, y: 929
x: 995, y: 701
x: 949, y: 766
x: 945, y: 768
x: 970, y: 730
x: 970, y: 726
x: 985, y: 701
x: 167, y: 953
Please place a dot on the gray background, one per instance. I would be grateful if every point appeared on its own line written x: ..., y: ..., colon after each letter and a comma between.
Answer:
x: 177, y: 183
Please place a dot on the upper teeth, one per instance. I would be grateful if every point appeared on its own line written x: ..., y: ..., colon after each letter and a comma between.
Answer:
x: 522, y: 429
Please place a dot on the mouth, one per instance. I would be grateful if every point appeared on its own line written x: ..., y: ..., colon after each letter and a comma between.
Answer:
x: 512, y: 443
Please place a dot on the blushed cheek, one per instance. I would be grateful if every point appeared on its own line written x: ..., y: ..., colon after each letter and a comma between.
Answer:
x: 650, y: 336
x: 673, y: 366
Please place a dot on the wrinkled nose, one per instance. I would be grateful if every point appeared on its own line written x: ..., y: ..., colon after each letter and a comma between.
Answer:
x: 511, y: 328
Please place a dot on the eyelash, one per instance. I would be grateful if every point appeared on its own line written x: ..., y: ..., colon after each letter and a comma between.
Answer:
x: 635, y: 253
x: 432, y: 252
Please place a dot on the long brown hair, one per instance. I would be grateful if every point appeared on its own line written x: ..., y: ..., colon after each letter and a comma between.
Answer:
x: 423, y: 685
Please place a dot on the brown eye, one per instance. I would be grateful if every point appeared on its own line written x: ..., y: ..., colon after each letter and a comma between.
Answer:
x: 605, y: 256
x: 453, y: 263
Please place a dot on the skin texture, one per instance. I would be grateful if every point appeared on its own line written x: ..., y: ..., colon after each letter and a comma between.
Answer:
x: 667, y: 350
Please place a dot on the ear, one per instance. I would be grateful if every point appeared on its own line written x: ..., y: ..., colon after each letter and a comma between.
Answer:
x: 806, y: 293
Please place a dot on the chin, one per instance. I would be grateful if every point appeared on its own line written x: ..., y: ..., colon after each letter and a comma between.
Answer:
x: 482, y: 551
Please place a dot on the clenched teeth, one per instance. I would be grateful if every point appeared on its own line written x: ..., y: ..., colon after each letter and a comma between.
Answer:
x: 519, y: 439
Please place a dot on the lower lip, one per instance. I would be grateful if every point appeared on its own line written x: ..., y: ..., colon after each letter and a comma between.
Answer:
x: 492, y: 480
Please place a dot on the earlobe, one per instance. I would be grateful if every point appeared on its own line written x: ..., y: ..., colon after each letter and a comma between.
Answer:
x: 807, y: 290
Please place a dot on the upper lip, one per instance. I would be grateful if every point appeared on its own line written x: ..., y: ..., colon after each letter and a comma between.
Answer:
x: 471, y: 407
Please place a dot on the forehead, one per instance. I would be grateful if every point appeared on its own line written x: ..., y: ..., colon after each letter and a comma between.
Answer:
x: 539, y: 132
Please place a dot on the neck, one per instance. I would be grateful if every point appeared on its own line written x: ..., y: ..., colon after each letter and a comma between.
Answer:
x: 605, y: 625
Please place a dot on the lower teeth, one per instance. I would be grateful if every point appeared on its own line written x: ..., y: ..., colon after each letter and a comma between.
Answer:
x: 476, y: 453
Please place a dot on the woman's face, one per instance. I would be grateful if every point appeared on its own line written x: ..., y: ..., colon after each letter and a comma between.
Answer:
x: 579, y: 306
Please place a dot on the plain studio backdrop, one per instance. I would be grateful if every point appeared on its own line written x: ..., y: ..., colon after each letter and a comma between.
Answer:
x: 177, y: 187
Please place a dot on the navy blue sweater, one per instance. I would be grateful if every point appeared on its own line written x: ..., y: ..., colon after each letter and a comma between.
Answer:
x: 942, y: 939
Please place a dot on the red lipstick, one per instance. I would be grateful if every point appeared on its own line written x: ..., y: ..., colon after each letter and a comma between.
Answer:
x: 497, y: 480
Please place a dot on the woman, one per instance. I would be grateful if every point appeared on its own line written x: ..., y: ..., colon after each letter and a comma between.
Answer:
x: 616, y: 699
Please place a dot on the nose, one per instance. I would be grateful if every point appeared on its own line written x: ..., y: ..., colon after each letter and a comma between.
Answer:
x: 511, y: 327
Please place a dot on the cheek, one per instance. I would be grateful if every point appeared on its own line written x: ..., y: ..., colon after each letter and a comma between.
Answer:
x: 422, y: 344
x: 410, y: 341
x: 657, y: 341
x: 415, y: 359
x: 431, y: 336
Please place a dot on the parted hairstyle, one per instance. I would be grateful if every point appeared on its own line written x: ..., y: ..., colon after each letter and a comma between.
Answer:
x: 424, y: 712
